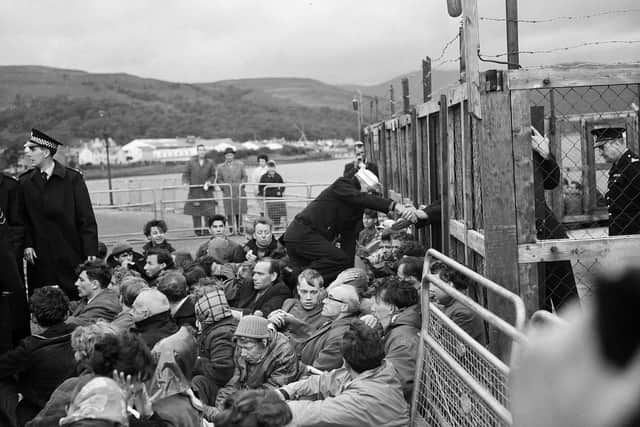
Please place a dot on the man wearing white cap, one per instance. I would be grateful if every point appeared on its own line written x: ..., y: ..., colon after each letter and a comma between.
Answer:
x: 60, y: 227
x: 333, y: 216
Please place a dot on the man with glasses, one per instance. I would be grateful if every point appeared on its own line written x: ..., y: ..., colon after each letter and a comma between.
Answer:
x: 623, y: 187
x: 322, y: 348
x: 60, y: 227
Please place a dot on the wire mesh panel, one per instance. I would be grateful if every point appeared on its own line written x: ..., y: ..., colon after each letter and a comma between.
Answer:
x: 586, y: 176
x: 459, y: 381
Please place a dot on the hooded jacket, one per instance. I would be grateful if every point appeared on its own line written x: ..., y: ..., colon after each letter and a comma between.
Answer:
x: 372, y: 398
x: 401, y: 342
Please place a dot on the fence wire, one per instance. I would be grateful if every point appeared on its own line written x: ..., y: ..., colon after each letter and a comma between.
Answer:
x: 583, y: 191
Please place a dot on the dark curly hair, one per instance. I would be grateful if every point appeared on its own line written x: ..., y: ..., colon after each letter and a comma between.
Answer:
x: 448, y: 274
x: 362, y: 347
x: 411, y: 248
x: 413, y: 266
x: 126, y: 353
x: 164, y: 257
x: 49, y: 305
x: 398, y: 292
x: 254, y: 408
x: 217, y: 217
x: 96, y: 270
x: 154, y: 223
x: 193, y: 272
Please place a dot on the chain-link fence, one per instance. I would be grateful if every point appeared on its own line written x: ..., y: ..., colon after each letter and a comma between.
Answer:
x: 586, y: 176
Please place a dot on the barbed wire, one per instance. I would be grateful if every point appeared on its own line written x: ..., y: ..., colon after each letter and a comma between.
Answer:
x: 561, y: 18
x: 445, y: 48
x: 559, y: 49
x: 578, y: 65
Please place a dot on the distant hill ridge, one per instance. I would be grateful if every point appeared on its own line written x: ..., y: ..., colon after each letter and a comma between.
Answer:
x: 67, y: 103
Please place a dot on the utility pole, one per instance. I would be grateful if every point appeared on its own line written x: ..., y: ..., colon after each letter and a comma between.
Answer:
x: 513, y: 57
x: 106, y: 146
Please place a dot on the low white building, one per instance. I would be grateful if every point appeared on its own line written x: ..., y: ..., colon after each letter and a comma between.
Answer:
x: 171, y: 149
x: 94, y: 152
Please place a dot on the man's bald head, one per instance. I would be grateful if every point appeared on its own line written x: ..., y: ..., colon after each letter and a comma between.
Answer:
x: 340, y: 300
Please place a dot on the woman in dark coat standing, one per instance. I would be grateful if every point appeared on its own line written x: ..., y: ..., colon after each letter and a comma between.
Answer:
x: 200, y: 171
x: 275, y: 209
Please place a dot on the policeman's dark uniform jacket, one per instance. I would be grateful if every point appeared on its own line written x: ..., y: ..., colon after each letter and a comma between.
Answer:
x: 336, y: 211
x: 59, y: 225
x: 623, y: 195
x: 559, y: 282
x: 14, y: 313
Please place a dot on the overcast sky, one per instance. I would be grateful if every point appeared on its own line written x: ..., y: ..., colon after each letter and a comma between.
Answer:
x: 336, y: 41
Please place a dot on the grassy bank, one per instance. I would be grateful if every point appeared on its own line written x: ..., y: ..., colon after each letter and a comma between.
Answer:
x: 161, y: 168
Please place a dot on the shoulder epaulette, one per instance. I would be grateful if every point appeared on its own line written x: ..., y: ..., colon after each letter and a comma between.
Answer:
x: 75, y: 170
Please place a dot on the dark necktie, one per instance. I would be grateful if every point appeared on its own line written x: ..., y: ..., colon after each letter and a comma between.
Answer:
x: 44, y: 176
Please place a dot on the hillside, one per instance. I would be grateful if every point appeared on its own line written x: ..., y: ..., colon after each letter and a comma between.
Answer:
x: 67, y: 103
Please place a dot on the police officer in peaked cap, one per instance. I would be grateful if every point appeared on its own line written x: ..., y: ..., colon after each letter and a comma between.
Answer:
x: 60, y: 227
x: 623, y: 188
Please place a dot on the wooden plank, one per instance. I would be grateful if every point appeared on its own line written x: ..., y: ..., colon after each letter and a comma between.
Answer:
x: 576, y: 249
x: 522, y: 116
x: 588, y: 199
x: 513, y: 54
x: 455, y: 152
x: 426, y: 79
x: 472, y: 62
x: 499, y: 209
x: 478, y: 218
x: 444, y: 181
x: 603, y: 117
x: 555, y: 147
x: 412, y: 154
x: 474, y: 239
x: 384, y: 161
x: 455, y: 95
x: 597, y: 75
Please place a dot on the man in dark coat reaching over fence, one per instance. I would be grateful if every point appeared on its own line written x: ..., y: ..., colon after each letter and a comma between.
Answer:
x: 60, y: 227
x: 311, y: 237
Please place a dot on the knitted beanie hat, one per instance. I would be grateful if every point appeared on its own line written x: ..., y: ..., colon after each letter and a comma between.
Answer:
x: 253, y: 327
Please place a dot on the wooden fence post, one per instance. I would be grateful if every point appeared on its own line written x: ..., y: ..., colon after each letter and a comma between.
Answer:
x: 444, y: 181
x: 405, y: 95
x: 499, y: 208
x: 522, y: 118
x: 426, y: 79
x: 392, y: 102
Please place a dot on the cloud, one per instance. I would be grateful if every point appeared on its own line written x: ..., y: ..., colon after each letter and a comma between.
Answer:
x: 337, y: 41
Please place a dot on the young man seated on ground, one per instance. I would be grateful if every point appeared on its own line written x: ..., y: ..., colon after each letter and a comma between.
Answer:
x: 174, y: 286
x: 364, y: 392
x: 155, y: 231
x: 262, y: 244
x: 97, y: 300
x: 397, y: 311
x: 322, y: 347
x: 265, y: 294
x: 263, y: 358
x: 157, y: 262
x: 41, y: 362
x: 300, y: 316
x: 462, y: 315
x: 410, y: 268
x: 220, y: 247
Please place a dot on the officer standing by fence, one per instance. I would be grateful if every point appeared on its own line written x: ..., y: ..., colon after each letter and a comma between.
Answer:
x: 623, y: 188
x: 60, y: 227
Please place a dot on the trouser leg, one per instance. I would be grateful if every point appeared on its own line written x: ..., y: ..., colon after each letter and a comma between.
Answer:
x: 197, y: 225
x: 312, y: 250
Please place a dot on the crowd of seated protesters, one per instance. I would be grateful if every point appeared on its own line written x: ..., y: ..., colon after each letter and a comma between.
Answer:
x: 232, y: 335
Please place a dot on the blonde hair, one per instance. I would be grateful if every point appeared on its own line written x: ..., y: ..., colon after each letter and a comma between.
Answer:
x: 84, y: 338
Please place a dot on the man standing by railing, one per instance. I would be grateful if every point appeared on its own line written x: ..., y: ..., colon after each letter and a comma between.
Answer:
x: 359, y: 161
x: 60, y: 227
x: 232, y: 172
x: 199, y: 175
